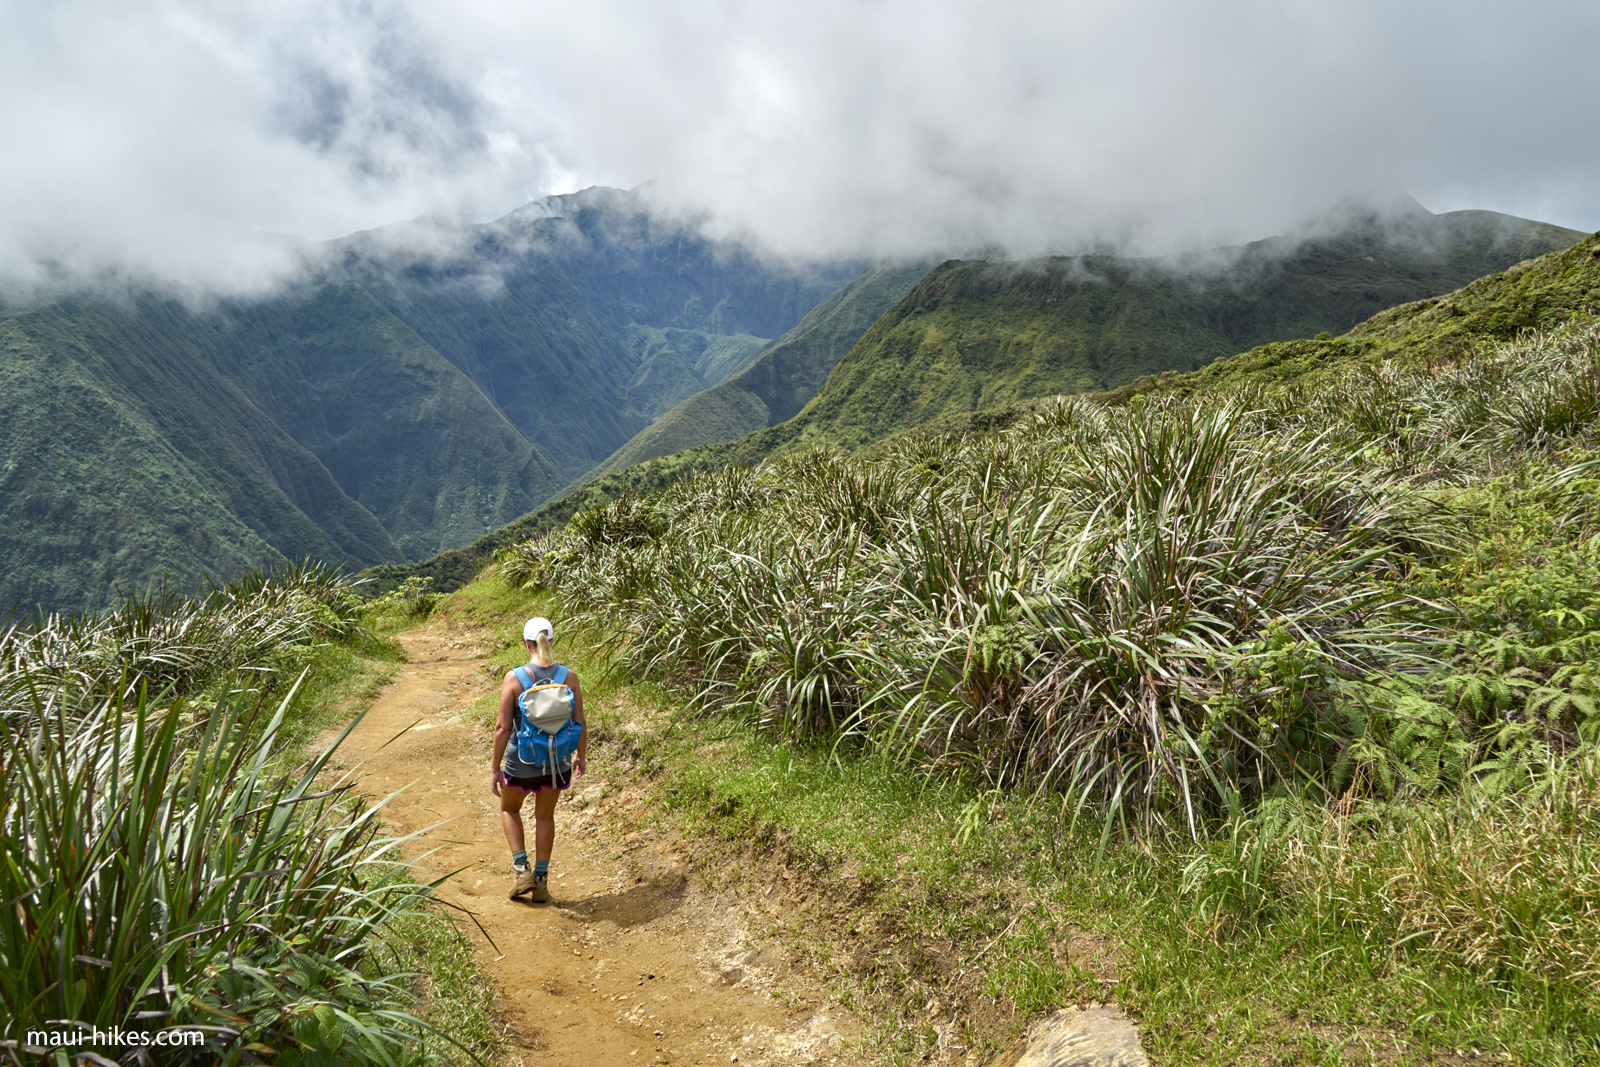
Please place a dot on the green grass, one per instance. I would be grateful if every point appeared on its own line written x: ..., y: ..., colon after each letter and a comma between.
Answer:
x: 236, y: 898
x: 453, y: 992
x: 913, y: 894
x: 174, y: 856
x: 453, y: 569
x: 862, y: 653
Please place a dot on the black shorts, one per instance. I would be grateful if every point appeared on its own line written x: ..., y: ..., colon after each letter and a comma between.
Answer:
x: 533, y: 785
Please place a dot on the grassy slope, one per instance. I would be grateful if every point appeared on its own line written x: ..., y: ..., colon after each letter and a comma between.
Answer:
x: 721, y: 356
x: 676, y: 364
x: 535, y: 348
x: 452, y: 569
x: 1535, y: 294
x: 1541, y: 294
x: 778, y: 382
x: 977, y: 335
x: 402, y: 431
x: 131, y: 458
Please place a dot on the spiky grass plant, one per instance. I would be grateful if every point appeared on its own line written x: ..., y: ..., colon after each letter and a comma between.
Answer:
x: 160, y: 867
x: 160, y: 874
x: 1220, y: 595
x: 1443, y: 421
x: 1180, y: 605
x: 168, y: 641
x: 1091, y: 600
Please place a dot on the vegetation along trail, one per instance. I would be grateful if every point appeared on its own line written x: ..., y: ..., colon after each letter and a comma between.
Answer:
x: 629, y: 963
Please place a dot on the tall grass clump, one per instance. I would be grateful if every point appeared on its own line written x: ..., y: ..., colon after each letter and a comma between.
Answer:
x: 169, y: 641
x: 158, y: 875
x: 168, y: 860
x: 1150, y: 603
x: 1181, y: 607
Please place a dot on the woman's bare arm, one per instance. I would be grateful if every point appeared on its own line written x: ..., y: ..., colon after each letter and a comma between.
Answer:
x: 510, y: 689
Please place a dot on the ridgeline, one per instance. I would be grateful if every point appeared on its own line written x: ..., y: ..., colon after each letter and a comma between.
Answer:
x: 974, y: 343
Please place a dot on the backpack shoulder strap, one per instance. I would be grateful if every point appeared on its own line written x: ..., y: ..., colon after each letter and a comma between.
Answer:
x: 560, y: 675
x: 524, y: 678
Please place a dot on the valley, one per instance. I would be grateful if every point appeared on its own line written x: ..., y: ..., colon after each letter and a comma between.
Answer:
x: 1257, y: 700
x: 423, y: 387
x: 412, y: 392
x: 1069, y: 533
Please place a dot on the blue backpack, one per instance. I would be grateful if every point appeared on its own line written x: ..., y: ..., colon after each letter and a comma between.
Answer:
x: 547, y: 734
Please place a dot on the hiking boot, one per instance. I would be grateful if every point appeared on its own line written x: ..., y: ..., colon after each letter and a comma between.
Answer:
x: 526, y: 883
x: 541, y: 888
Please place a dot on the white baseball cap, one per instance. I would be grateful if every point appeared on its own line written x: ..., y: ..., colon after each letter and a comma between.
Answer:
x: 534, y: 626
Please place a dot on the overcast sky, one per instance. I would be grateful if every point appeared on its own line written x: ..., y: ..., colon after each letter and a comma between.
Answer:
x: 176, y: 137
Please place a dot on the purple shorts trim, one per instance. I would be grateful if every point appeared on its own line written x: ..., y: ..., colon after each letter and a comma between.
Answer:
x: 533, y: 785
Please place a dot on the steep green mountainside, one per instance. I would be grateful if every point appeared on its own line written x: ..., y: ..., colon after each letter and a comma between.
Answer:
x: 421, y: 386
x: 678, y: 362
x: 127, y: 461
x: 1537, y: 294
x: 975, y: 335
x: 399, y: 428
x: 583, y: 317
x: 776, y: 383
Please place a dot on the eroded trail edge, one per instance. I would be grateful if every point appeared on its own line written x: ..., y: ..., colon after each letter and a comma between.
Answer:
x: 632, y: 962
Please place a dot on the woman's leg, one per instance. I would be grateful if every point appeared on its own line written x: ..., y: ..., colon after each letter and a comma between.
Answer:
x: 511, y: 821
x: 511, y: 816
x: 544, y: 822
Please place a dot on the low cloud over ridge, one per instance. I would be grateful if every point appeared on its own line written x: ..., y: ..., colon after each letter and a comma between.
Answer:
x: 170, y: 139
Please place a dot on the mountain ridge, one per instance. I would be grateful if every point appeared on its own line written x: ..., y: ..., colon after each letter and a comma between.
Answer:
x: 1535, y: 294
x: 975, y: 334
x: 419, y: 386
x: 774, y: 383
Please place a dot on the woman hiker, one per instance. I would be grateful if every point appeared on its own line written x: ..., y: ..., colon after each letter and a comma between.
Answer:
x: 512, y: 780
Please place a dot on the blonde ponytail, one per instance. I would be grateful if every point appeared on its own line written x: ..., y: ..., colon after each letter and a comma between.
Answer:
x: 542, y: 648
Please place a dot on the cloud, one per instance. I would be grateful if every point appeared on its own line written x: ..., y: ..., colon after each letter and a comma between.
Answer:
x: 1059, y: 125
x: 167, y: 138
x: 181, y: 141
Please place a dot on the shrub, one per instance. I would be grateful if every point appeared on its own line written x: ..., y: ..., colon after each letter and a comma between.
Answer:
x: 157, y: 875
x: 1175, y: 606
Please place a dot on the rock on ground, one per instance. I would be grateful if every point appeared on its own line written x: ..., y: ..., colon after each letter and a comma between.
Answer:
x: 1100, y: 1036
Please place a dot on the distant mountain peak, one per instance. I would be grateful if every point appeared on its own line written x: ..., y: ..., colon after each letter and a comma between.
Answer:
x: 1358, y: 212
x: 1396, y: 205
x: 560, y: 205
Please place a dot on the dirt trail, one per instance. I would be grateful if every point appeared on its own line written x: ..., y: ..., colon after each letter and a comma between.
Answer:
x: 631, y: 963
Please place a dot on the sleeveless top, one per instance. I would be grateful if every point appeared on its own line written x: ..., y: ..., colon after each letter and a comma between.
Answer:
x: 513, y: 764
